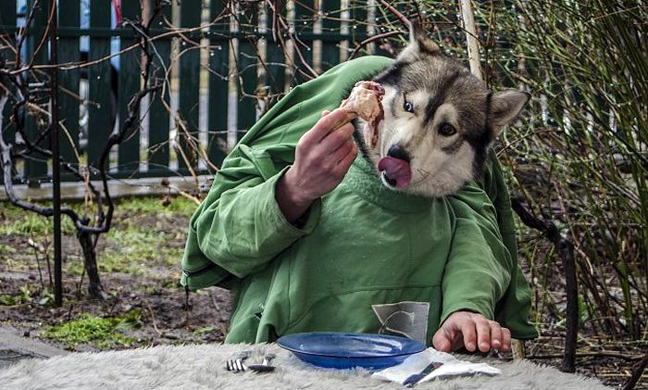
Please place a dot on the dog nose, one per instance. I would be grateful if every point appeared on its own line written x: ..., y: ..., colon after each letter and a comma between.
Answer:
x: 397, y: 151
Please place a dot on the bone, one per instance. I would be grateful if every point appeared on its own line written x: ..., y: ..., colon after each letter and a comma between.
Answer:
x: 365, y: 102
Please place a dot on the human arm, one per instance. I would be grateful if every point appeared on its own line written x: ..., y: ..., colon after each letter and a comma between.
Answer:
x: 248, y: 219
x: 477, y: 274
x: 322, y: 158
x: 240, y: 227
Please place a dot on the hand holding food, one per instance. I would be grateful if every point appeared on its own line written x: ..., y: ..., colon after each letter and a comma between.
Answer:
x: 322, y: 158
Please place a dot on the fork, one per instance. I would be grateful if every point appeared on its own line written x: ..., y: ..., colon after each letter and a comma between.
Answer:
x: 265, y: 365
x: 236, y: 365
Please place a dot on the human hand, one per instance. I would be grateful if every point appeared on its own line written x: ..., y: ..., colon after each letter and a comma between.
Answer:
x: 463, y: 328
x: 322, y: 158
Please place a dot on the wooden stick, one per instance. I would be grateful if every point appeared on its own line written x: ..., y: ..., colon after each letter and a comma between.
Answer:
x: 636, y: 374
x: 611, y: 354
x: 471, y: 40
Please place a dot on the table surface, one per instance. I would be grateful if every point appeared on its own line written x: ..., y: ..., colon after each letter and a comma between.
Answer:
x: 203, y: 367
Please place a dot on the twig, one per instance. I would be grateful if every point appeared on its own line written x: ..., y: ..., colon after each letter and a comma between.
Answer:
x: 181, y: 192
x: 50, y: 18
x: 216, y: 306
x: 636, y: 374
x: 373, y: 39
x: 78, y: 292
x: 565, y: 250
x: 153, y: 319
x: 399, y: 15
x: 40, y: 273
x: 611, y: 354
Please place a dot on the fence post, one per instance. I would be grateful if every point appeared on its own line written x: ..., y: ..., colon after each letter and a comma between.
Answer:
x: 101, y: 110
x: 129, y: 85
x: 189, y: 87
x: 8, y: 20
x: 330, y: 47
x: 69, y: 100
x: 36, y: 168
x: 56, y: 165
x: 304, y: 14
x: 218, y: 82
x: 158, y: 116
x: 275, y: 76
x: 247, y: 69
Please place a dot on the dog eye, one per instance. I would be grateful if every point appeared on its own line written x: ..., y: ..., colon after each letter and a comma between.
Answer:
x: 447, y: 130
x: 409, y: 107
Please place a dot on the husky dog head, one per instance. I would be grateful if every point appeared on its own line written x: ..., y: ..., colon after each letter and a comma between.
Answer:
x: 439, y: 121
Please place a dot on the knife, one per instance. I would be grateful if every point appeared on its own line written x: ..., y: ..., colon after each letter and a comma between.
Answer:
x: 412, y: 380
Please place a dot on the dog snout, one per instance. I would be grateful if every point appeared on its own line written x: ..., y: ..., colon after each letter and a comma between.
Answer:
x: 397, y: 151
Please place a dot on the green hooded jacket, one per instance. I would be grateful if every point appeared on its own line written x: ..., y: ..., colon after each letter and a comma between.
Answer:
x: 361, y: 245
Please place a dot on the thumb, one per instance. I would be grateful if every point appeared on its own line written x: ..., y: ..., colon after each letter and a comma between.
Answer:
x: 442, y: 341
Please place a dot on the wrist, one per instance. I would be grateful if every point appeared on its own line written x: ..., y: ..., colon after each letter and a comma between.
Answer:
x: 293, y: 191
x: 290, y: 198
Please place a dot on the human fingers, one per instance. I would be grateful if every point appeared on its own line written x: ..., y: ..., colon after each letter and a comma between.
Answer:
x: 469, y: 333
x: 336, y: 139
x: 506, y: 340
x: 325, y: 113
x: 442, y: 340
x: 344, y: 164
x: 483, y: 333
x: 495, y: 335
x: 341, y: 152
x: 327, y: 124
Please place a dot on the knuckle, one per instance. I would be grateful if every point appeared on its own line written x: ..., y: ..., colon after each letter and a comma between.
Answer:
x: 329, y: 168
x: 337, y: 138
x: 317, y: 163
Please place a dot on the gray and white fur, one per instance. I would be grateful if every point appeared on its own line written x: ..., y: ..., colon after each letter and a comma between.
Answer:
x: 438, y: 117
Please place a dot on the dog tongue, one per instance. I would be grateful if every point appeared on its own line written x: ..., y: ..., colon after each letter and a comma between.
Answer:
x: 396, y: 169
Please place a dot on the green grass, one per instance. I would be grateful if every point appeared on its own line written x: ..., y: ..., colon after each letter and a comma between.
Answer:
x: 16, y: 221
x: 24, y: 295
x: 205, y: 330
x: 154, y: 206
x: 98, y: 331
x: 10, y: 300
x: 30, y: 224
x: 138, y: 248
x: 145, y: 234
x: 6, y: 250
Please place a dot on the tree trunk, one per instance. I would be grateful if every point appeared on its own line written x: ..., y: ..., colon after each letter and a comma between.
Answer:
x: 90, y: 262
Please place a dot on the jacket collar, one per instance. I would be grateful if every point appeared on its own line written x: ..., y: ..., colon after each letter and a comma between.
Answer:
x: 363, y: 180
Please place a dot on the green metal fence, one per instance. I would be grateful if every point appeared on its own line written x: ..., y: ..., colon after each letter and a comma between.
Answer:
x: 219, y: 78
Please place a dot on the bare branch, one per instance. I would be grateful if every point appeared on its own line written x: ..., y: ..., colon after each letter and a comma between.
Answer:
x: 373, y: 39
x: 399, y: 15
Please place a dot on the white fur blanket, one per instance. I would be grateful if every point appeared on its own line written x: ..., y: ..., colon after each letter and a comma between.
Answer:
x: 203, y: 367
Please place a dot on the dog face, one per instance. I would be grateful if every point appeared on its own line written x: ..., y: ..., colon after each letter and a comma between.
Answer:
x: 439, y: 122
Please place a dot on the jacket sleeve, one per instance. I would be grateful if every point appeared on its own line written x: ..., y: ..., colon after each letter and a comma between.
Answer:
x: 240, y: 226
x: 479, y: 267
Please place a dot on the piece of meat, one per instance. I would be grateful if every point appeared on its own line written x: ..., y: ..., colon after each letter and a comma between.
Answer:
x: 365, y: 102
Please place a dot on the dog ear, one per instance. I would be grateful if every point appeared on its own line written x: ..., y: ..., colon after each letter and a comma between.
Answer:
x: 420, y: 45
x: 504, y: 108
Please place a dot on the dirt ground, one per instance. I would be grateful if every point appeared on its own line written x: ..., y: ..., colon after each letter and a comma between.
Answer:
x: 139, y: 264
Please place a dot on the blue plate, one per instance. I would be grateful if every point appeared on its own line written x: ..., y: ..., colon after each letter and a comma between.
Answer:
x: 348, y: 350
